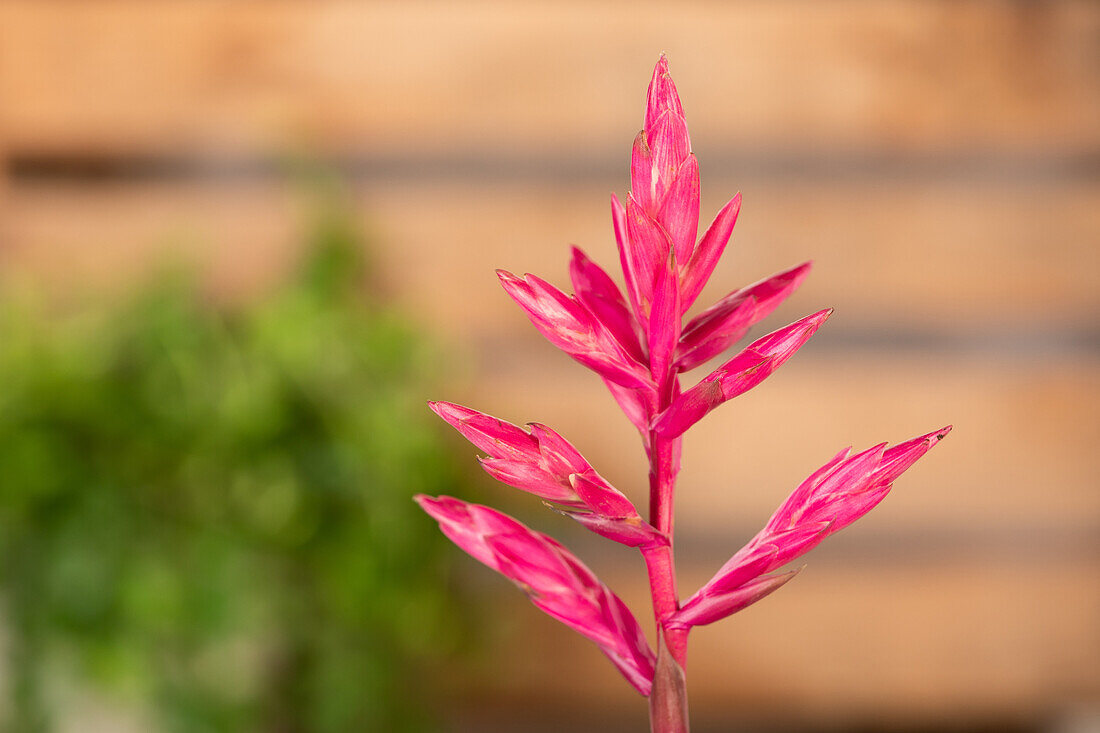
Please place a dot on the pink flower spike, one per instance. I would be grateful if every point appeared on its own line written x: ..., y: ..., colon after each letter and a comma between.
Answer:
x: 635, y: 339
x: 698, y: 269
x: 661, y: 97
x: 543, y: 463
x: 709, y: 607
x: 718, y: 327
x: 834, y: 496
x: 663, y: 144
x: 740, y: 374
x: 553, y: 578
x: 572, y: 328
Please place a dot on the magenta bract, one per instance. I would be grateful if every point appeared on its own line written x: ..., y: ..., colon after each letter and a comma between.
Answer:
x: 556, y: 581
x: 834, y: 496
x: 636, y: 340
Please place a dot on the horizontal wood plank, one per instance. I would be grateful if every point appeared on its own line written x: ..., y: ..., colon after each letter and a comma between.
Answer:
x: 134, y: 75
x: 983, y: 264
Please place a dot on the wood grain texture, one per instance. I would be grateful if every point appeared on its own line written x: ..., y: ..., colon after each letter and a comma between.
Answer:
x: 134, y: 75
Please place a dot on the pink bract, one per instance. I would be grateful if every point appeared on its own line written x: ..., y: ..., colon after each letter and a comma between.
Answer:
x: 636, y: 340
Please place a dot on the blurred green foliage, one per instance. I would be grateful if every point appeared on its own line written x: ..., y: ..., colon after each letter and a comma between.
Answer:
x: 208, y: 509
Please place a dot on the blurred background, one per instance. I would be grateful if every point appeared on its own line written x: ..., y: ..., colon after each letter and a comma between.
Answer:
x: 241, y: 243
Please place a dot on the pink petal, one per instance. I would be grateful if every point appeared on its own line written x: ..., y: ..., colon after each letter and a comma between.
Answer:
x: 670, y: 146
x: 839, y: 492
x: 598, y: 292
x: 697, y: 270
x: 563, y: 322
x: 764, y: 553
x: 714, y: 335
x: 679, y: 213
x: 496, y: 437
x: 649, y: 248
x: 633, y: 405
x: 529, y: 477
x: 664, y: 320
x: 665, y: 129
x: 785, y: 515
x: 662, y: 96
x: 642, y: 182
x: 633, y: 532
x: 834, y: 496
x: 525, y: 559
x: 459, y: 525
x: 706, y: 608
x: 857, y: 506
x: 719, y: 326
x: 601, y: 497
x: 554, y: 579
x: 558, y: 453
x: 571, y: 327
x: 898, y: 459
x: 738, y: 375
x: 626, y: 260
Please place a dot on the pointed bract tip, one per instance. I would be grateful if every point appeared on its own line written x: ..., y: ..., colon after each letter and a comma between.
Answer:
x: 820, y: 317
x: 937, y: 435
x: 933, y: 437
x: 811, y: 323
x: 446, y: 410
x: 428, y: 503
x: 661, y: 96
x: 801, y: 270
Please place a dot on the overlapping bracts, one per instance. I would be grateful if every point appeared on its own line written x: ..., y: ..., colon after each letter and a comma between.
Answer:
x: 555, y: 580
x: 834, y: 496
x: 545, y: 464
x: 636, y: 340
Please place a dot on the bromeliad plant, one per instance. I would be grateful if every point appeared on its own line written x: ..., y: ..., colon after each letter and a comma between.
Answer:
x: 639, y: 346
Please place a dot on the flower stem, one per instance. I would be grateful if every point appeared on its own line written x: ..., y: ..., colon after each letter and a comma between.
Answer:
x: 668, y: 702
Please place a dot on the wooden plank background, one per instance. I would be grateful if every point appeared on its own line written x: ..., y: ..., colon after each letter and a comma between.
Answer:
x: 940, y: 162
